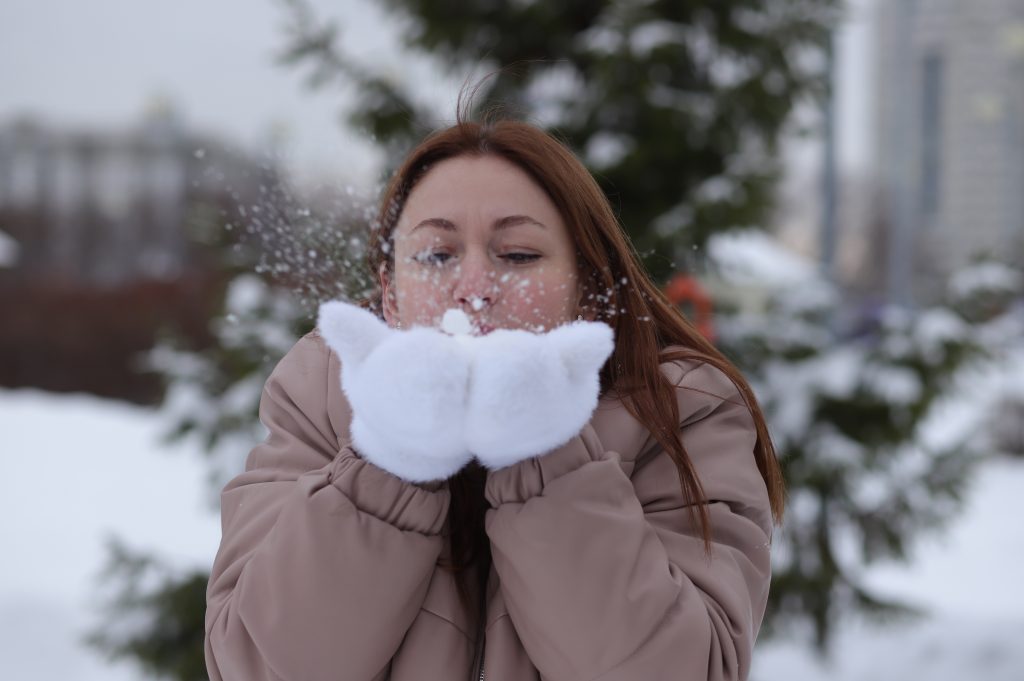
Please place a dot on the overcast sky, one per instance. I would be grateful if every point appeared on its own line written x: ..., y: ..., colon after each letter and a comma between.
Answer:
x: 101, y: 64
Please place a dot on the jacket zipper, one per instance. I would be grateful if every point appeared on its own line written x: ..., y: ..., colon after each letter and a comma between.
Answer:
x: 482, y: 635
x: 482, y: 659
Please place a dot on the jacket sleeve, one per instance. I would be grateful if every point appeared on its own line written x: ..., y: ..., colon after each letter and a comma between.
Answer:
x: 325, y: 559
x: 604, y: 575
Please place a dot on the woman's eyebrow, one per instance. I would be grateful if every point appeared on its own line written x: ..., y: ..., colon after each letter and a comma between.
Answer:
x: 512, y: 220
x: 500, y: 223
x: 440, y: 223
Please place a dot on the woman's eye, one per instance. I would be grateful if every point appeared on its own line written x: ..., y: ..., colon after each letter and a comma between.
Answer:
x: 432, y: 258
x: 438, y: 258
x: 520, y: 257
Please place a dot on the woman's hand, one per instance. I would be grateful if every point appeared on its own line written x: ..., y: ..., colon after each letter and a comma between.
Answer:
x: 407, y: 390
x: 530, y: 393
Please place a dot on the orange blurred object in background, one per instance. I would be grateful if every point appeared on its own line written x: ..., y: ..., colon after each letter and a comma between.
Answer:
x: 685, y: 292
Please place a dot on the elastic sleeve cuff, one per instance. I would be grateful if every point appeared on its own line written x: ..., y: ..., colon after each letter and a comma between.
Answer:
x: 529, y: 477
x: 416, y: 507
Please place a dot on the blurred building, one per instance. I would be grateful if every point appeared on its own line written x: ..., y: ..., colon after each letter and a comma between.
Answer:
x: 950, y: 135
x: 112, y: 238
x: 101, y: 209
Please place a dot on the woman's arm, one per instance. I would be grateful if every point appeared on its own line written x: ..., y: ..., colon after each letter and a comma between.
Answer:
x: 325, y: 558
x: 605, y: 576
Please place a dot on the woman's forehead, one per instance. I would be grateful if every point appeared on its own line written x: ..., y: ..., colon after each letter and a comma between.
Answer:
x: 465, y: 179
x: 466, y: 191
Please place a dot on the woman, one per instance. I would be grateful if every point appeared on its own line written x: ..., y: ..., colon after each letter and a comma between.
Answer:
x: 634, y: 547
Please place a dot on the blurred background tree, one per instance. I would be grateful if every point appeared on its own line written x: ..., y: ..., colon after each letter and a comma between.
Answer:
x: 676, y: 105
x: 678, y: 108
x: 859, y: 419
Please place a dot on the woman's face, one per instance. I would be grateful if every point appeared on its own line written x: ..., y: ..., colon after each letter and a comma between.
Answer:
x: 477, y: 233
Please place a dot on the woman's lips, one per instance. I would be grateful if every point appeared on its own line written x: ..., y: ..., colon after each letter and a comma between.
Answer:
x: 483, y: 329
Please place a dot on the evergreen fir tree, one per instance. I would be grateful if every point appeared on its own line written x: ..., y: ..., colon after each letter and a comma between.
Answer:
x: 856, y: 419
x: 676, y: 105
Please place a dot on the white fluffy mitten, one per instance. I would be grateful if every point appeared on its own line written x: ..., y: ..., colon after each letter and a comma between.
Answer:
x: 530, y: 393
x: 407, y: 390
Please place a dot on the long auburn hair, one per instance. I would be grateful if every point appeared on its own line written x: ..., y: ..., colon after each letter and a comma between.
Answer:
x: 644, y: 321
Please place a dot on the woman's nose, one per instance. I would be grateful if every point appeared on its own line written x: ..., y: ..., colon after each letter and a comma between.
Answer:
x: 476, y: 284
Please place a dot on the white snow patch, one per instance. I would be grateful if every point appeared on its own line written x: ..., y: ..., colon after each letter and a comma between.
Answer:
x: 987, y: 276
x: 78, y: 468
x: 752, y: 257
x: 605, y: 149
x: 967, y: 578
x: 648, y: 36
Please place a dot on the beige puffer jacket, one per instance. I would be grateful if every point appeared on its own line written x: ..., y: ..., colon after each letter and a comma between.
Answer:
x: 327, y: 567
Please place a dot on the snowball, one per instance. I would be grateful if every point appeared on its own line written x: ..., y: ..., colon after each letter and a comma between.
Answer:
x: 456, y: 323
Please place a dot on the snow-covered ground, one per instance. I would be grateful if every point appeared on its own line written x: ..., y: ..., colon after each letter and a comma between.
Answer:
x: 968, y: 578
x: 76, y: 468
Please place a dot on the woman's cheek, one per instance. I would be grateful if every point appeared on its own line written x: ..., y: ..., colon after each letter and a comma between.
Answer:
x: 422, y: 300
x: 539, y: 299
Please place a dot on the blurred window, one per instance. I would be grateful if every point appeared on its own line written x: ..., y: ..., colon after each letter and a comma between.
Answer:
x: 931, y: 133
